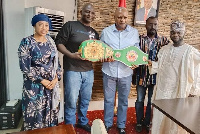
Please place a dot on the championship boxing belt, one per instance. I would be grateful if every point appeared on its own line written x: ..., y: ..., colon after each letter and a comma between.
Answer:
x: 94, y: 50
x: 131, y: 56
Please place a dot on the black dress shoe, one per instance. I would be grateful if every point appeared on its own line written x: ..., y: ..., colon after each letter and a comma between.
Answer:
x: 138, y: 128
x: 108, y: 128
x: 86, y: 127
x: 121, y: 130
x: 147, y: 128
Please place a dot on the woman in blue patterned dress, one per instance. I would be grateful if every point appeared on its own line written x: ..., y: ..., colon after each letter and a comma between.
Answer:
x: 38, y: 58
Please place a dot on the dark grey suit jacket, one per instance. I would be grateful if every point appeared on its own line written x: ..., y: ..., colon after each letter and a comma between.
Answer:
x: 140, y: 14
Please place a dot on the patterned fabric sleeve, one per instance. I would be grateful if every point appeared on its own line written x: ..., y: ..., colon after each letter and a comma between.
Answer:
x: 24, y: 54
x: 59, y: 70
x: 165, y: 41
x: 155, y: 64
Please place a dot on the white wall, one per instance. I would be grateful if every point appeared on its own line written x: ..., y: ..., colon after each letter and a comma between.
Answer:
x: 67, y: 6
x: 15, y: 31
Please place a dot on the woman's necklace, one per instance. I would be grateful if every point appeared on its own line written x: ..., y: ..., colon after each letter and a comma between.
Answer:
x: 41, y: 39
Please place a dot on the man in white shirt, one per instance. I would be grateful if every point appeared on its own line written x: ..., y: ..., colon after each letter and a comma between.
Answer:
x: 116, y: 74
x: 178, y: 76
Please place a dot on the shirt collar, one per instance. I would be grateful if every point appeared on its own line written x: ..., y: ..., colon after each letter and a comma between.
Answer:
x: 148, y: 9
x: 114, y: 29
x: 145, y: 35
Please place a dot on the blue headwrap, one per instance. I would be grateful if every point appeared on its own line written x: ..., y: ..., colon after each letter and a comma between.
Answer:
x: 41, y: 17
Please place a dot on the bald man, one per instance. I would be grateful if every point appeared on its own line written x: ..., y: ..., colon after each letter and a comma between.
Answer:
x: 117, y: 75
x: 78, y: 73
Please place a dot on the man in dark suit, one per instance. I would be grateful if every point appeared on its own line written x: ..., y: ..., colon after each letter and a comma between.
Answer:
x: 146, y: 11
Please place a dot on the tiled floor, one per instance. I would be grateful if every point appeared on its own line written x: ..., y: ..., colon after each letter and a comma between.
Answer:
x: 94, y: 105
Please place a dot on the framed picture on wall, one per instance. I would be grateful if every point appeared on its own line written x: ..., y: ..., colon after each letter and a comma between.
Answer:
x: 145, y: 9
